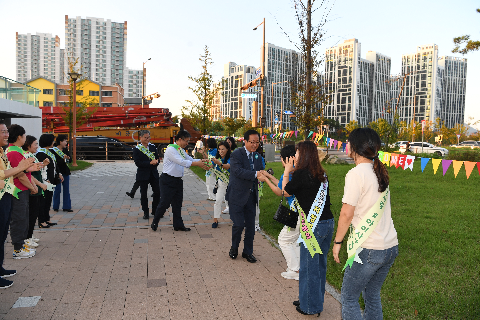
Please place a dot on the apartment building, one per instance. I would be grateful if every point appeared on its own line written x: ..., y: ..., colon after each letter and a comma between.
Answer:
x: 379, y: 103
x: 133, y: 83
x: 38, y: 55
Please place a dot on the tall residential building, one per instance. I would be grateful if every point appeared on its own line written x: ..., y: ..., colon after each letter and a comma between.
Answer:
x: 233, y: 105
x: 452, y: 90
x: 380, y: 102
x: 133, y: 83
x: 419, y: 93
x: 38, y: 55
x: 282, y: 66
x: 100, y: 47
x: 215, y: 110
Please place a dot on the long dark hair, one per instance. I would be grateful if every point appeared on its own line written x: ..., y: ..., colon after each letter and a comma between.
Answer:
x: 234, y: 144
x: 227, y: 155
x: 308, y: 159
x: 28, y: 142
x: 366, y: 142
x: 211, y: 143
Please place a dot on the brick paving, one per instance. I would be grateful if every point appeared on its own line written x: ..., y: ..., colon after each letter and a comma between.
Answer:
x: 102, y: 261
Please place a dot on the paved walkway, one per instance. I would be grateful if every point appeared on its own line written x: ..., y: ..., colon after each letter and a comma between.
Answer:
x: 104, y: 262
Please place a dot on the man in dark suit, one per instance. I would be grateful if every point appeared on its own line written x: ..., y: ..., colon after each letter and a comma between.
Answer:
x: 242, y: 194
x: 146, y: 159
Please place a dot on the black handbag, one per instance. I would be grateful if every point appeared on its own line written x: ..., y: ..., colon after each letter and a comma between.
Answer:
x: 215, y: 189
x: 286, y: 216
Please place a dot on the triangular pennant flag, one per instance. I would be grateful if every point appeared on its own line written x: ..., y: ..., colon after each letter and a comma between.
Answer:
x: 344, y: 145
x: 313, y: 136
x: 339, y: 145
x: 386, y: 158
x: 401, y: 161
x: 311, y: 132
x: 409, y: 162
x: 445, y: 165
x: 328, y: 141
x: 335, y: 144
x: 296, y: 132
x: 346, y: 148
x: 456, y: 167
x: 319, y: 137
x: 436, y: 163
x: 291, y: 133
x: 478, y: 167
x: 394, y: 160
x: 424, y: 162
x: 380, y: 156
x: 469, y: 167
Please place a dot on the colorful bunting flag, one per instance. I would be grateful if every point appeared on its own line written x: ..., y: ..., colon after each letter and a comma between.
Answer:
x: 456, y: 167
x: 401, y: 161
x: 409, y: 162
x: 445, y: 165
x: 424, y: 162
x: 386, y: 158
x: 394, y: 160
x: 328, y: 141
x: 469, y: 167
x: 335, y: 142
x: 436, y: 163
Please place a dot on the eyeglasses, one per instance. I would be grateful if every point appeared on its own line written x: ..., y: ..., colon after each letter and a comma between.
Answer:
x: 4, y: 131
x: 254, y: 142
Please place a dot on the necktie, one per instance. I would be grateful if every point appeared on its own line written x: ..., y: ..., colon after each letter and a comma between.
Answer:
x: 250, y: 157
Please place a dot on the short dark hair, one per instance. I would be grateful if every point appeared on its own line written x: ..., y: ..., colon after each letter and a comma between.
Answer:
x: 28, y: 142
x: 182, y: 134
x: 2, y: 121
x: 46, y: 140
x: 211, y: 143
x: 234, y: 144
x: 287, y: 152
x: 60, y: 138
x: 14, y: 132
x: 248, y: 133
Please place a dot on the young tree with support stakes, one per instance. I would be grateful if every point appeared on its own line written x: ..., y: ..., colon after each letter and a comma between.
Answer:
x: 198, y: 111
x: 308, y: 93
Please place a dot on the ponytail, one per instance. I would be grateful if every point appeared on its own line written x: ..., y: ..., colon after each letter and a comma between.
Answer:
x: 381, y: 173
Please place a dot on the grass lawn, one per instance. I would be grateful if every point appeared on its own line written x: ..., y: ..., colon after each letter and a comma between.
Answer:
x: 437, y: 273
x: 81, y: 165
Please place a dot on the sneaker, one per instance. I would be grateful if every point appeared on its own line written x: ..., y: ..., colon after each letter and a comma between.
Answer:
x: 34, y: 239
x: 31, y: 243
x: 227, y: 210
x: 28, y: 248
x: 4, y: 283
x: 22, y: 254
x: 257, y: 227
x: 8, y: 273
x: 291, y: 275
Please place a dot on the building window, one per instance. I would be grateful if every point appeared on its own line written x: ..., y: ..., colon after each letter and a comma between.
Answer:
x: 47, y: 103
x: 79, y: 92
x: 106, y: 93
x: 94, y: 93
x: 62, y: 92
x: 47, y: 91
x: 106, y: 105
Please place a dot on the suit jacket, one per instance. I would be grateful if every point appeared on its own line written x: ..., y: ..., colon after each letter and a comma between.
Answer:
x: 143, y: 163
x: 242, y: 177
x: 62, y: 166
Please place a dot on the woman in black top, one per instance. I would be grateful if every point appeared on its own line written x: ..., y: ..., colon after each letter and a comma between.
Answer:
x: 308, y: 179
x: 62, y: 157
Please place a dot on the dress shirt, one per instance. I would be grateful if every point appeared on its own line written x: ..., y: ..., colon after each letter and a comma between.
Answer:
x: 248, y: 156
x: 173, y: 162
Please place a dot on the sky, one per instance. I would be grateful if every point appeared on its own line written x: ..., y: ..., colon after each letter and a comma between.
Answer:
x: 174, y: 33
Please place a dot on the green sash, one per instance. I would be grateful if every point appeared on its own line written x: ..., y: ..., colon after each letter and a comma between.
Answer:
x: 222, y: 174
x: 48, y: 153
x: 145, y: 151
x: 177, y: 147
x: 59, y: 152
x: 15, y: 148
x: 366, y: 227
x: 9, y: 187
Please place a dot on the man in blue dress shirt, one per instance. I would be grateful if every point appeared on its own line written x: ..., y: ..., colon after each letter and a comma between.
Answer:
x: 171, y: 183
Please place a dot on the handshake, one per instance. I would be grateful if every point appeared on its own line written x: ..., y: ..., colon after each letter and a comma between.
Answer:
x: 263, y: 175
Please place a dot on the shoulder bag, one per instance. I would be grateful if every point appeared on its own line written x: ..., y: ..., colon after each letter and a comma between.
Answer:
x: 285, y: 215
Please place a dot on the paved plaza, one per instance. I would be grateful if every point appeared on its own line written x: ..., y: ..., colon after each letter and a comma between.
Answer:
x: 103, y: 261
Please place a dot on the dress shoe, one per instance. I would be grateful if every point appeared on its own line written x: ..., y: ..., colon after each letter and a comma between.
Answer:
x: 215, y: 225
x: 182, y: 229
x: 154, y: 226
x: 145, y: 216
x: 51, y: 223
x: 233, y: 253
x: 56, y: 210
x: 129, y: 194
x: 67, y: 210
x: 296, y: 303
x: 300, y: 311
x: 41, y: 226
x: 250, y: 258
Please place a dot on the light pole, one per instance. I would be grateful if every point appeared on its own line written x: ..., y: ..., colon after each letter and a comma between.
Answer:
x: 262, y: 99
x: 74, y: 76
x: 143, y: 80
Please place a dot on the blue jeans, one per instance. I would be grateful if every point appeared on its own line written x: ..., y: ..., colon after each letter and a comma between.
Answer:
x: 366, y: 278
x: 313, y: 271
x: 67, y: 203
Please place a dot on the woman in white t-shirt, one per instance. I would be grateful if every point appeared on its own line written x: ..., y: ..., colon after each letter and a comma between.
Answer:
x: 364, y: 185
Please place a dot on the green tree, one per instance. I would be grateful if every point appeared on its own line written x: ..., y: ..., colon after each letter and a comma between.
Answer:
x: 308, y: 92
x: 470, y: 45
x: 232, y: 125
x: 217, y: 128
x: 198, y: 111
x: 352, y: 125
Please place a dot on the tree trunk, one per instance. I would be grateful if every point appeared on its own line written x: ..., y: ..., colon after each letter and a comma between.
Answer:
x: 308, y: 80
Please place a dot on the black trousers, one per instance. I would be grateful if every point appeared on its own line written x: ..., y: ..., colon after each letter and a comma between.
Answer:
x: 135, y: 187
x: 5, y: 209
x: 19, y: 219
x: 153, y: 181
x: 44, y: 213
x: 171, y: 189
x: 243, y: 217
x: 34, y: 208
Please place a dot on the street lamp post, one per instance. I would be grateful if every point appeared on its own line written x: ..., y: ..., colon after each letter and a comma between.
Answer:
x: 262, y: 99
x: 74, y: 76
x: 143, y: 81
